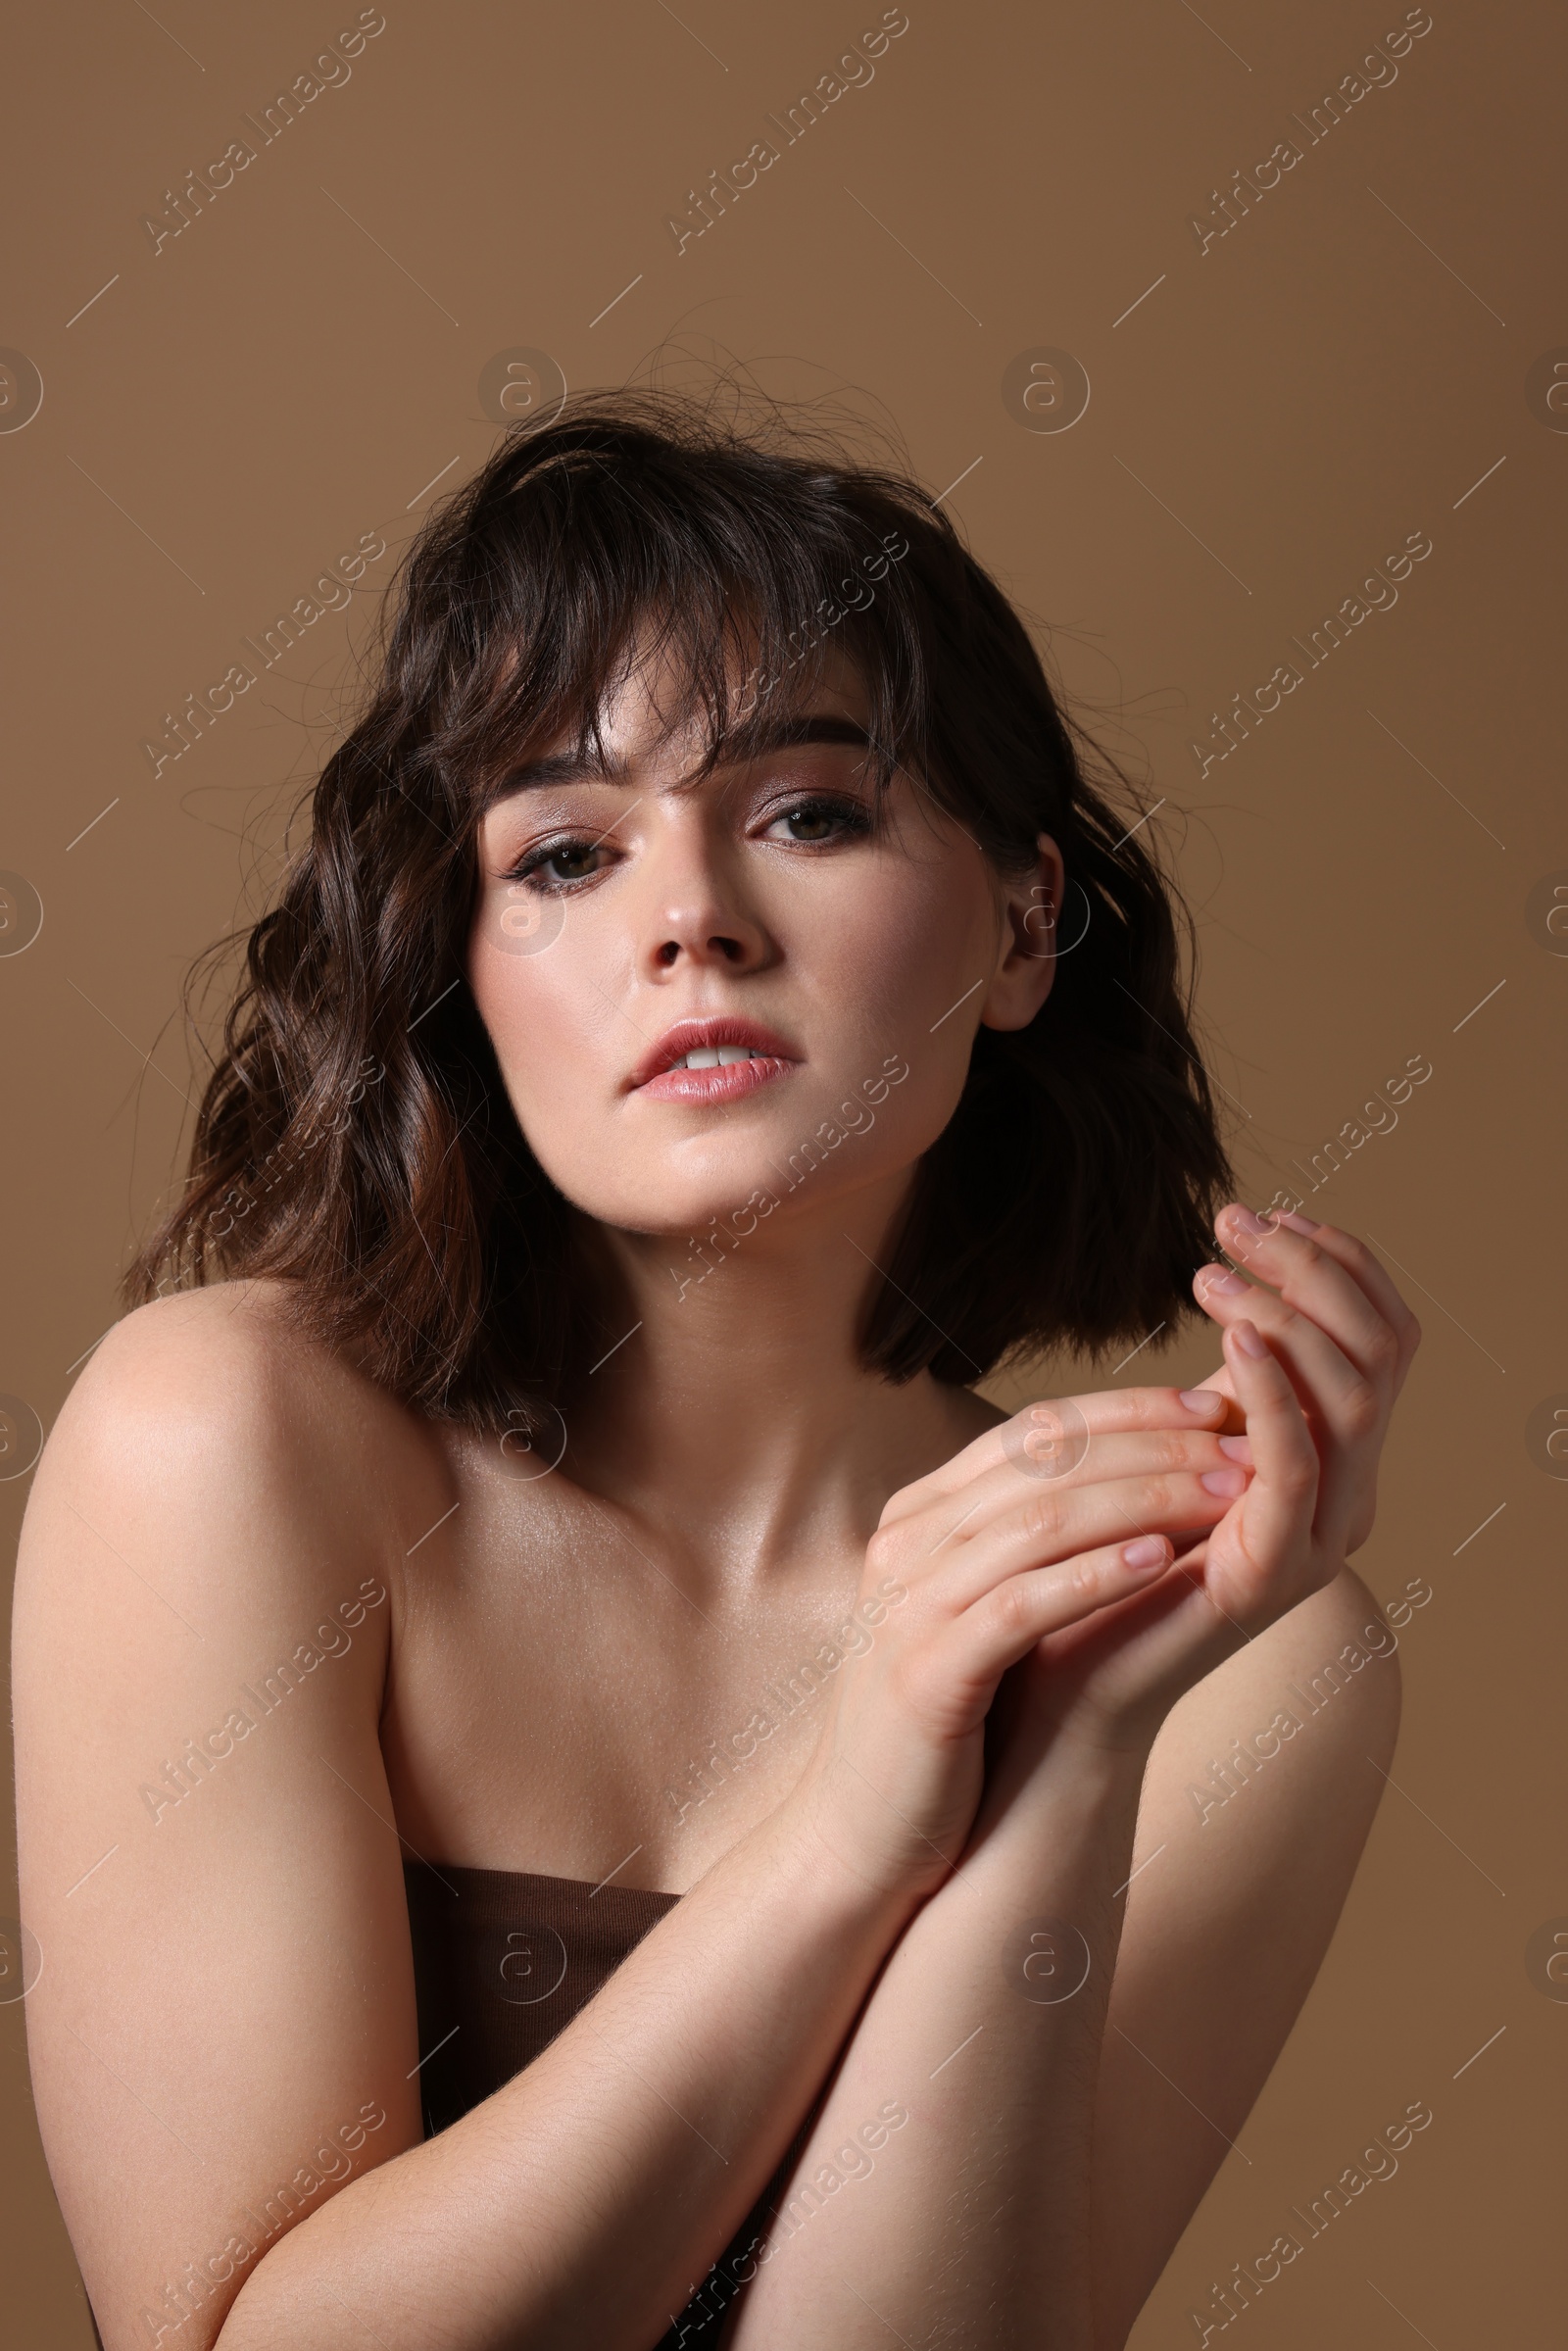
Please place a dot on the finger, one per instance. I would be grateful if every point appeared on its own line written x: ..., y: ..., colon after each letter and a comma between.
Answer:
x: 1054, y: 1524
x: 1012, y: 1492
x: 1221, y: 1383
x: 1104, y: 1412
x: 1176, y: 1626
x: 1345, y: 1407
x: 1335, y: 1389
x: 1359, y: 1263
x: 1261, y: 1553
x: 1217, y: 1382
x: 1314, y: 1281
x: 1003, y: 1624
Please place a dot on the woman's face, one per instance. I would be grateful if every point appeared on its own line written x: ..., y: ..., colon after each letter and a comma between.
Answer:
x: 826, y: 973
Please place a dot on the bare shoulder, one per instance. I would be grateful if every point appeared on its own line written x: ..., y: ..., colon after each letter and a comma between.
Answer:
x: 202, y: 1636
x: 224, y: 1357
x: 1282, y: 1690
x: 1261, y: 1790
x: 213, y: 1399
x: 214, y: 1485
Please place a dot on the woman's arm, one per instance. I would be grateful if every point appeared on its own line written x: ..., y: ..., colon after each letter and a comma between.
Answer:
x: 224, y: 2038
x: 1263, y: 1784
x: 1239, y: 1877
x: 1059, y: 2156
x: 945, y: 2192
x: 579, y: 2203
x: 1042, y: 2199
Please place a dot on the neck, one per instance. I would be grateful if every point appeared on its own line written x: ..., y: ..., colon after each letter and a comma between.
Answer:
x: 732, y: 1407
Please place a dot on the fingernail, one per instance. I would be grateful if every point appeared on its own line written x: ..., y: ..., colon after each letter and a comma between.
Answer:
x: 1245, y: 1222
x: 1220, y: 1279
x: 1206, y: 1401
x: 1244, y: 1334
x: 1224, y: 1481
x: 1238, y: 1449
x: 1150, y: 1551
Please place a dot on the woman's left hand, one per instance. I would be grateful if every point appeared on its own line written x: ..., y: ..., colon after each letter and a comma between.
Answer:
x: 1344, y: 1334
x: 1336, y: 1341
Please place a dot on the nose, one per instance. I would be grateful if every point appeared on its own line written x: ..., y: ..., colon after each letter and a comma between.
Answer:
x: 699, y: 916
x: 705, y: 934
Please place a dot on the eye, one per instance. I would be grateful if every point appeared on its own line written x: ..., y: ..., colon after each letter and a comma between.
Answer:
x: 555, y: 865
x: 820, y: 819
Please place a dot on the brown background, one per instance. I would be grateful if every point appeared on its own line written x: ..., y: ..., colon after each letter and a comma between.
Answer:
x: 1274, y: 417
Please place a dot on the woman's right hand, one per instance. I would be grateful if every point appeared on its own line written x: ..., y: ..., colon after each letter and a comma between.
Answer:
x: 1044, y: 1519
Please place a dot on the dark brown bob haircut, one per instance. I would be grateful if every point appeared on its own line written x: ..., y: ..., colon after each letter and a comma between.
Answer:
x: 355, y: 1138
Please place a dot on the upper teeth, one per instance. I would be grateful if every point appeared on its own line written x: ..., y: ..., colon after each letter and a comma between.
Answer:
x: 717, y: 1056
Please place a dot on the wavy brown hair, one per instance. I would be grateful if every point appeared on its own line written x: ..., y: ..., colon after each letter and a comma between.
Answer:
x: 355, y: 1137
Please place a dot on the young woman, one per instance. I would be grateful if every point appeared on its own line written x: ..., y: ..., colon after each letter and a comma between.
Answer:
x: 578, y: 1787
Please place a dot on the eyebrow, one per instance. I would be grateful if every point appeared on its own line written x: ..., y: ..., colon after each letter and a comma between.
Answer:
x: 754, y: 738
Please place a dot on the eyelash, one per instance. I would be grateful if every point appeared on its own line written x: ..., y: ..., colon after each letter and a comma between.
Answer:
x: 852, y: 819
x: 535, y: 860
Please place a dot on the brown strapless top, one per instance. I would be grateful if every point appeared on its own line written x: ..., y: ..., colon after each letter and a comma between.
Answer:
x: 502, y: 1960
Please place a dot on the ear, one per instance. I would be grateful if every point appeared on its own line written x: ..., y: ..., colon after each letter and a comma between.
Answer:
x: 1026, y: 966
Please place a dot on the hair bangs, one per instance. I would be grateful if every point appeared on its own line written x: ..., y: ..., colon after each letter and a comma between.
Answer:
x: 590, y: 563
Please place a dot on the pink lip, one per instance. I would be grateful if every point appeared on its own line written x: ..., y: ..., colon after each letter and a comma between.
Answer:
x: 654, y: 1077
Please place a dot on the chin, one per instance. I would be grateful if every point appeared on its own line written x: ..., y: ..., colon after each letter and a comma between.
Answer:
x: 737, y: 1196
x: 756, y: 1162
x: 675, y: 1210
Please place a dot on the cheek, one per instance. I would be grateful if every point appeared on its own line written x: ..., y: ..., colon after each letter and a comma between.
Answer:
x: 907, y: 963
x: 901, y: 969
x: 548, y: 1002
x: 907, y: 943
